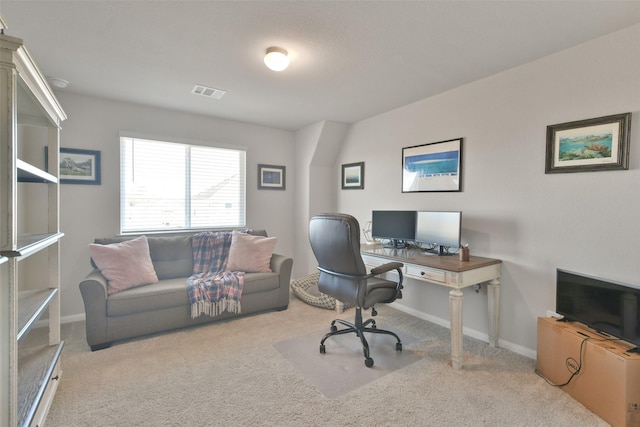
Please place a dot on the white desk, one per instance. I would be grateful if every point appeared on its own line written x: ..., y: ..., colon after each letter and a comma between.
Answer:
x: 447, y: 271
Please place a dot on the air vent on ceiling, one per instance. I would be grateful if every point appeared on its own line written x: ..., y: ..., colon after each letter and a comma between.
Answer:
x: 209, y: 92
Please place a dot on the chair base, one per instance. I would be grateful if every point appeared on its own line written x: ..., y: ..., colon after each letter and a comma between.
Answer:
x: 359, y: 328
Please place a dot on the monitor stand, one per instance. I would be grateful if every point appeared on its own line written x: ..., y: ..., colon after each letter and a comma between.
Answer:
x: 396, y: 244
x: 438, y: 251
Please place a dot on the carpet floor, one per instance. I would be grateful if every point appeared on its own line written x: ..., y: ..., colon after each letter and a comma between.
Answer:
x: 257, y: 370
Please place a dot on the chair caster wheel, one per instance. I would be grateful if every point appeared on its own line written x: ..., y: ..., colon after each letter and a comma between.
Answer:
x: 334, y: 328
x: 368, y: 362
x: 398, y: 346
x: 322, y: 349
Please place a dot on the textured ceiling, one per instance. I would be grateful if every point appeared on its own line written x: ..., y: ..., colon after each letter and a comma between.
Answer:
x: 349, y: 59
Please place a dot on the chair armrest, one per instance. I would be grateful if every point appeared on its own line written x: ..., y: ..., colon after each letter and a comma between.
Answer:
x: 386, y: 267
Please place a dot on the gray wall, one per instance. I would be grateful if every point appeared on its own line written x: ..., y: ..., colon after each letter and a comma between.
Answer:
x: 512, y: 210
x: 90, y: 211
x: 317, y: 147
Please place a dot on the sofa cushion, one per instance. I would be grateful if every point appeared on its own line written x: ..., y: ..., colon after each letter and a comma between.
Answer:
x: 125, y: 265
x: 260, y: 282
x: 173, y: 292
x: 251, y: 254
x: 171, y: 256
x: 165, y: 293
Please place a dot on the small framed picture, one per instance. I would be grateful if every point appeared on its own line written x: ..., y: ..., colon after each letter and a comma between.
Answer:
x: 78, y: 166
x: 432, y: 167
x: 271, y: 177
x: 353, y: 176
x: 589, y: 145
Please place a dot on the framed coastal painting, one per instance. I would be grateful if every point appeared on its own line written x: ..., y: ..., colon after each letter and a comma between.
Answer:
x: 78, y: 166
x: 432, y: 167
x: 353, y: 176
x: 589, y: 145
x: 271, y: 177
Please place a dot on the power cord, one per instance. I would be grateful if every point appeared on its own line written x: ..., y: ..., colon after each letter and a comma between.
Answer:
x: 572, y: 365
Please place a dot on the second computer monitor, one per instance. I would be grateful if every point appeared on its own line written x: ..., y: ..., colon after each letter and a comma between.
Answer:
x: 441, y: 229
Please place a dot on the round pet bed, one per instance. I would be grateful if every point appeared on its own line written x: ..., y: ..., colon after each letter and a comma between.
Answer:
x: 306, y: 288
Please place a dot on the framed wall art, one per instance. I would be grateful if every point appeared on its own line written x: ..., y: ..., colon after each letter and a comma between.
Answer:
x: 589, y: 145
x: 353, y: 176
x: 78, y: 166
x: 271, y: 177
x: 432, y: 167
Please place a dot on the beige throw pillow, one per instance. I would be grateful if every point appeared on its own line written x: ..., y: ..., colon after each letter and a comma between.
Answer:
x: 251, y: 254
x: 124, y: 265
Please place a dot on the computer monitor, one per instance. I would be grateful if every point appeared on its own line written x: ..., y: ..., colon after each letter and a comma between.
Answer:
x: 441, y: 229
x: 396, y: 226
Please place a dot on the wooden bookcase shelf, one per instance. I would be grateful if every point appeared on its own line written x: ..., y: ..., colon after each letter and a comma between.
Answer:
x: 30, y: 173
x: 29, y: 244
x: 31, y: 306
x: 38, y: 371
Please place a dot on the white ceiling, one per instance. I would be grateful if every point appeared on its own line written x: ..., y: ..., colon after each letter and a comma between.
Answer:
x: 349, y: 59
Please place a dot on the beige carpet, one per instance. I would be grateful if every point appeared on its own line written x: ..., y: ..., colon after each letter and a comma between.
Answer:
x: 231, y: 374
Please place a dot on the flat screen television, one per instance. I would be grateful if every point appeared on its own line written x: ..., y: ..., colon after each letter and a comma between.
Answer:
x: 603, y: 305
x: 398, y: 227
x: 439, y: 229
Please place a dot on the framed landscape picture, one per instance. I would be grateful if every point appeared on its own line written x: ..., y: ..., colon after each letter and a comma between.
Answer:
x: 432, y: 167
x: 353, y: 176
x: 589, y: 145
x: 78, y: 166
x: 271, y: 177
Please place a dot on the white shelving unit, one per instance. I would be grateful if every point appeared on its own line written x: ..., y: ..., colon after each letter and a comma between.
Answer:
x: 30, y: 119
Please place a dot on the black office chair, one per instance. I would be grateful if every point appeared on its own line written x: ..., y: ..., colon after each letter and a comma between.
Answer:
x: 335, y: 240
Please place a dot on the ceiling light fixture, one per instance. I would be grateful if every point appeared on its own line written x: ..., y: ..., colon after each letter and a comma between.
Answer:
x: 58, y: 82
x: 276, y: 59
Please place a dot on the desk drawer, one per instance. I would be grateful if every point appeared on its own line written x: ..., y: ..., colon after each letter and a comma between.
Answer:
x: 373, y: 262
x: 426, y: 273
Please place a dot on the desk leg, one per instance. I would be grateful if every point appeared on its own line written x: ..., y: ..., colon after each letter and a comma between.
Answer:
x: 455, y: 315
x: 493, y: 294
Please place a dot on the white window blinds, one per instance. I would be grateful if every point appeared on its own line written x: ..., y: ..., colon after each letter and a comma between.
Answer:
x: 166, y: 186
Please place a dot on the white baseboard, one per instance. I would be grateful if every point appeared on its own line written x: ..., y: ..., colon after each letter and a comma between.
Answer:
x: 73, y: 318
x: 64, y: 319
x: 518, y: 349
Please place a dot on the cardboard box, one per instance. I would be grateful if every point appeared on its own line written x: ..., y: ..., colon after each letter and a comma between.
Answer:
x: 608, y: 380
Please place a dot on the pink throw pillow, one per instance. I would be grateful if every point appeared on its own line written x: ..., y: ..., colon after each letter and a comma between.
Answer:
x: 251, y: 254
x: 124, y: 265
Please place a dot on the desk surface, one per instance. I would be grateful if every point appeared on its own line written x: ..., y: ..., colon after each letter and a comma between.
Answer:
x: 418, y: 257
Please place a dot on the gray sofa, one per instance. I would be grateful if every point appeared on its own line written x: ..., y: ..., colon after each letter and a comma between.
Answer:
x: 165, y: 305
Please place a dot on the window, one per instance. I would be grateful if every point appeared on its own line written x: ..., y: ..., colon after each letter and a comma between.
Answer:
x: 166, y: 186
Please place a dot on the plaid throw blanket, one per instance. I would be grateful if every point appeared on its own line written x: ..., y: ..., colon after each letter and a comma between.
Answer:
x: 211, y: 289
